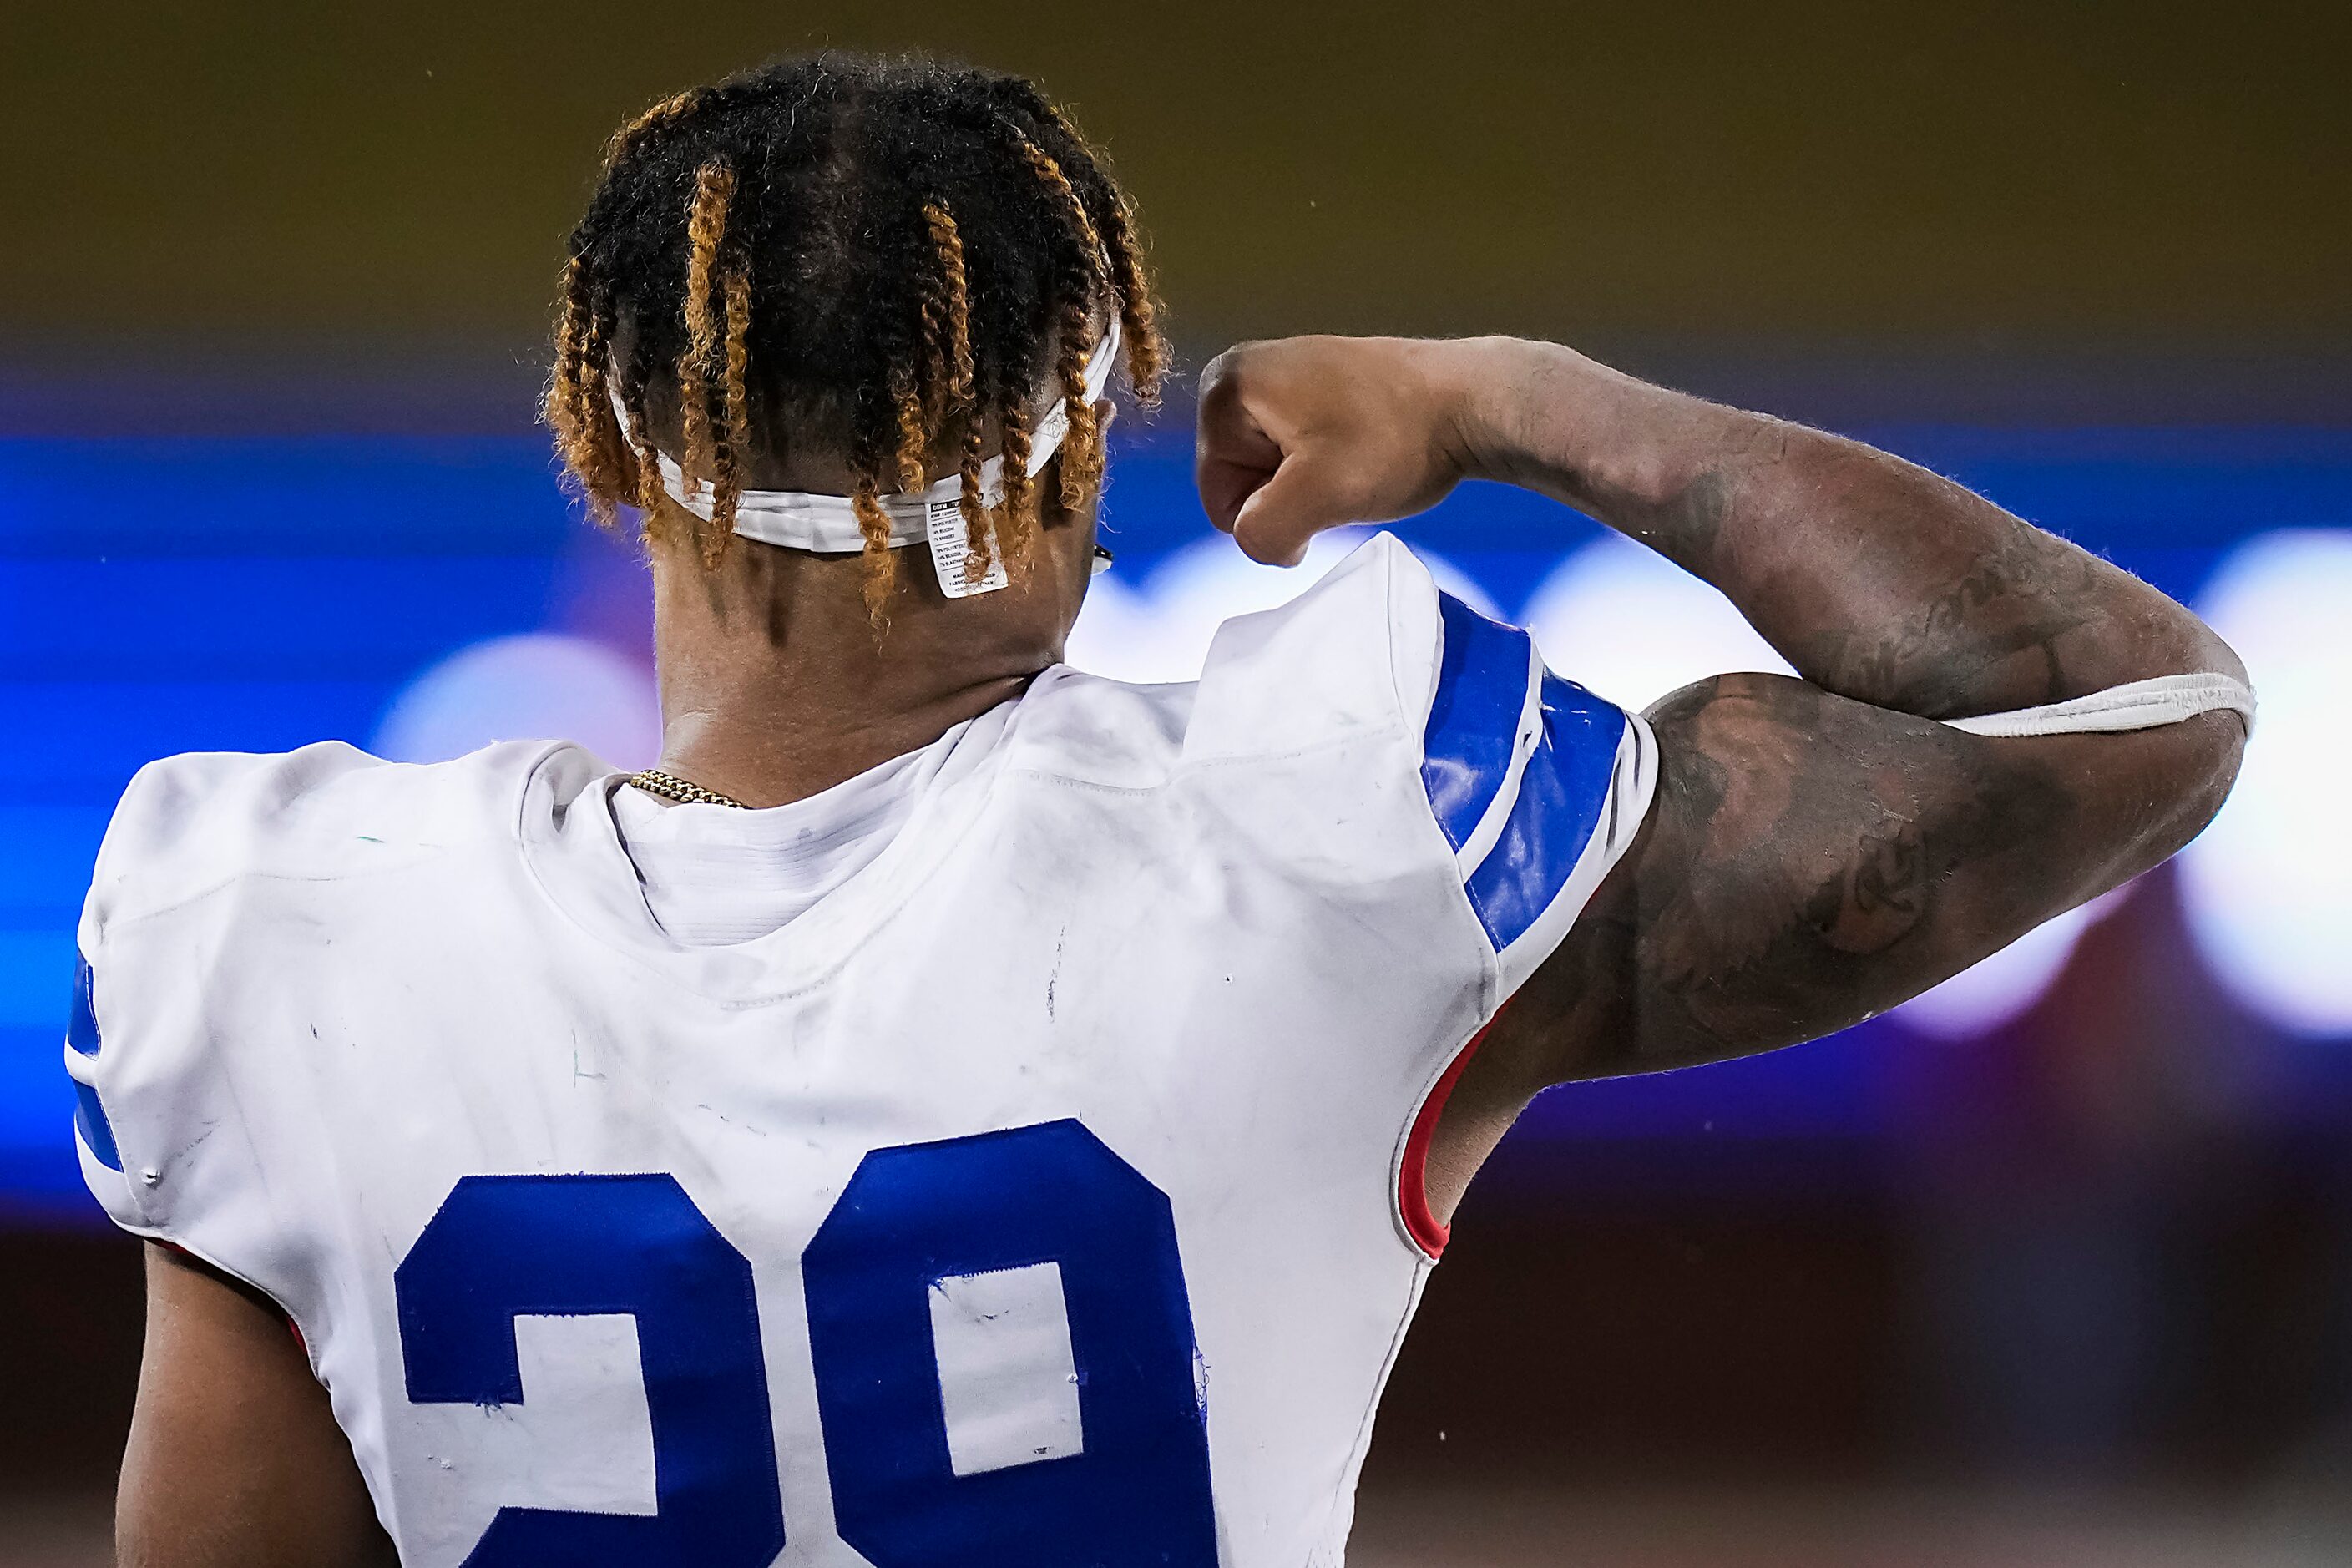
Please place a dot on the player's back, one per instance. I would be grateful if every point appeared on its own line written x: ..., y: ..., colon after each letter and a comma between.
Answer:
x: 1034, y: 1198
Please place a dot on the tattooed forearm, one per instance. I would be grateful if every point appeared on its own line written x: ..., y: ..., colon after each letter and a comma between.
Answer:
x: 1874, y: 578
x: 1998, y: 636
x: 1822, y: 849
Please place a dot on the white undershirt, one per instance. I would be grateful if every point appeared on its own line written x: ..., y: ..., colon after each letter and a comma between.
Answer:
x: 714, y: 874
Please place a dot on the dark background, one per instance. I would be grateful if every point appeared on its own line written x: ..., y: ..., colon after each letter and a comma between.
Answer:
x: 2076, y: 1289
x: 1984, y: 176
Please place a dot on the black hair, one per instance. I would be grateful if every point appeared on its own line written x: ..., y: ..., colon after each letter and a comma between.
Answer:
x: 859, y: 252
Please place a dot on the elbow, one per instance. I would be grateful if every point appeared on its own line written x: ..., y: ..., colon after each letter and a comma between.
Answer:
x: 2209, y: 748
x: 2219, y: 658
x: 2214, y: 750
x: 2221, y: 738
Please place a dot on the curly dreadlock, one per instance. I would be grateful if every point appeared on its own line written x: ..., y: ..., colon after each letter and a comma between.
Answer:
x: 852, y: 252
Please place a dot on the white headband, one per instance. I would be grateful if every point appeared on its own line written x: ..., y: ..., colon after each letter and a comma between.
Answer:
x: 827, y: 524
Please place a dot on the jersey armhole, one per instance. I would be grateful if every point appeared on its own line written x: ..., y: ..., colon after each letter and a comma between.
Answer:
x: 258, y: 1295
x: 1415, y: 1218
x: 1539, y: 787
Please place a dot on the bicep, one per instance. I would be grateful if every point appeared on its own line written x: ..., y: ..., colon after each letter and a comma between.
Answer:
x: 1811, y: 862
x: 234, y: 1457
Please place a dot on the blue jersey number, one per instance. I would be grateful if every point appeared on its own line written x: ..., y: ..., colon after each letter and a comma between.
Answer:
x: 1134, y: 1488
x: 1138, y: 1491
x: 504, y: 1246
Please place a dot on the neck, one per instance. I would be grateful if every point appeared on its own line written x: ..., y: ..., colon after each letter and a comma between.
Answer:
x: 775, y: 685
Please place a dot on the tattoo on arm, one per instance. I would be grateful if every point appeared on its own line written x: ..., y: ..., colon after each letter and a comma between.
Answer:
x: 1810, y: 861
x: 1999, y: 627
x: 1822, y: 849
x: 1876, y: 579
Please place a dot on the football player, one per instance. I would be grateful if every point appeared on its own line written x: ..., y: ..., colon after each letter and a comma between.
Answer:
x: 957, y: 1111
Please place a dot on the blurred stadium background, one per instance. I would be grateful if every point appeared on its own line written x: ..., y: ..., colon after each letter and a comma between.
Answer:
x: 2052, y: 1267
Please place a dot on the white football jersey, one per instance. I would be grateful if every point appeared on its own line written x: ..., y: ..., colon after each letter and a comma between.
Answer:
x: 1047, y: 1195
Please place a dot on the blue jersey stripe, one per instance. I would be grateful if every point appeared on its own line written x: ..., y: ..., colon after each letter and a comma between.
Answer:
x: 81, y: 1034
x: 1474, y: 720
x: 89, y: 1116
x: 1559, y: 806
x: 81, y: 1025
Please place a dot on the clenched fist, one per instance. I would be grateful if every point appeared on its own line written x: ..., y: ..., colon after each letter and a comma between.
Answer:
x: 1304, y: 434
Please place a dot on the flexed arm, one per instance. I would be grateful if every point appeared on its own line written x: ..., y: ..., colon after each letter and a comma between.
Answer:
x: 1820, y: 848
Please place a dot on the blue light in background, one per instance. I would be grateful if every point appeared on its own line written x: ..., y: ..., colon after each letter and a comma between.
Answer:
x: 166, y: 596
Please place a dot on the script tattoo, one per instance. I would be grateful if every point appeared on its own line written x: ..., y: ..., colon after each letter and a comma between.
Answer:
x: 2001, y: 628
x: 1821, y: 849
x: 2007, y: 604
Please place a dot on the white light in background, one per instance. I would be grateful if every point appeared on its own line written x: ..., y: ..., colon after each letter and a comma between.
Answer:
x: 1624, y: 621
x: 539, y: 686
x: 1160, y: 629
x: 2268, y: 887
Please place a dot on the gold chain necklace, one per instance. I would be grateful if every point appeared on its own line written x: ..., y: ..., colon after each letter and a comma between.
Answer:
x: 669, y: 786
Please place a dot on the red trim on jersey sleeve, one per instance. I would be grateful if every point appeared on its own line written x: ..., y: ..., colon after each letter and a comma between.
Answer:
x: 1413, y: 1170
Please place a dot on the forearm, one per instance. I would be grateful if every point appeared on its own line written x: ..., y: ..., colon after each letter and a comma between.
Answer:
x: 1874, y: 578
x: 1815, y: 850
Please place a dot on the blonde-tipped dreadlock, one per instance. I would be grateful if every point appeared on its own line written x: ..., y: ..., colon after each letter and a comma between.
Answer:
x: 955, y: 311
x: 949, y: 317
x: 1019, y: 510
x: 668, y: 109
x: 914, y: 435
x: 579, y: 406
x: 874, y: 259
x: 736, y: 426
x: 881, y: 561
x: 1139, y: 312
x: 714, y: 187
x: 1082, y: 449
